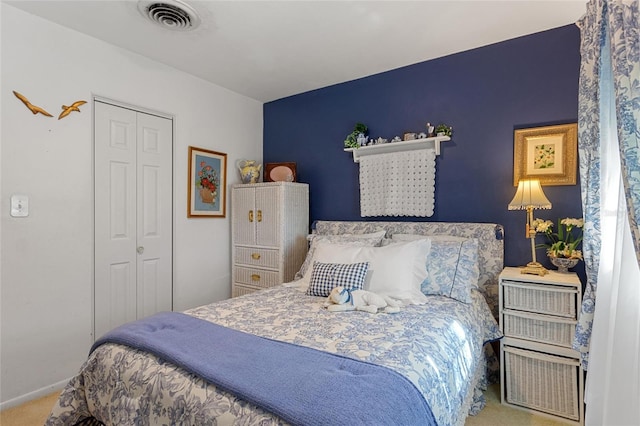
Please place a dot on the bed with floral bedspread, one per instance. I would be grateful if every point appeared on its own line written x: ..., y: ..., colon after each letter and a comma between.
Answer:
x: 438, y: 345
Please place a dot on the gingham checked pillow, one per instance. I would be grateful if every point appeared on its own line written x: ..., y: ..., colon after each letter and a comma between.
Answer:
x: 326, y: 276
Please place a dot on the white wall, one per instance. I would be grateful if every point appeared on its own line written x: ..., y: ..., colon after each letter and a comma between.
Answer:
x: 46, y: 265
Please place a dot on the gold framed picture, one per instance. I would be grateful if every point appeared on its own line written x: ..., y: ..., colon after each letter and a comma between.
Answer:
x: 546, y: 153
x: 206, y: 194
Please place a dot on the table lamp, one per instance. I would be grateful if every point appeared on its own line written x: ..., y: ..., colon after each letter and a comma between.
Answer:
x: 529, y: 196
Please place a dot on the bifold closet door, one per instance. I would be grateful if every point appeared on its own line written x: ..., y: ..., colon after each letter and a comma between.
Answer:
x: 133, y: 208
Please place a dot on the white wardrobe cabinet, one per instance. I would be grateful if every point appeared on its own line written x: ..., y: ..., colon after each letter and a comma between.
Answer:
x: 270, y: 223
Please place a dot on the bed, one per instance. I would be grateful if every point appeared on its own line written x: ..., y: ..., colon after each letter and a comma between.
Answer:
x: 436, y: 347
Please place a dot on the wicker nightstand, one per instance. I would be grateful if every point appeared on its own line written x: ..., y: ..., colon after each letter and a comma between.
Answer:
x: 540, y: 370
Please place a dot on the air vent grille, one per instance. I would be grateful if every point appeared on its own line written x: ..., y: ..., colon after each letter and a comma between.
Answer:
x: 170, y: 14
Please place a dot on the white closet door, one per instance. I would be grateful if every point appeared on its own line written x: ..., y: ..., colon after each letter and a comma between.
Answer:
x: 154, y: 214
x: 115, y: 217
x: 133, y: 198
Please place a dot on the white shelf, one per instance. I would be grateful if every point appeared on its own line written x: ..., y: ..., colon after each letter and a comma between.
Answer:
x: 384, y: 148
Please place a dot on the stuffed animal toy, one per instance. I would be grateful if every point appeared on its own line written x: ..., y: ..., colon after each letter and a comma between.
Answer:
x: 340, y: 299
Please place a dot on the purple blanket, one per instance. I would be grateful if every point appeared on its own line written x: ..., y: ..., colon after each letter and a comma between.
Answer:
x: 303, y: 386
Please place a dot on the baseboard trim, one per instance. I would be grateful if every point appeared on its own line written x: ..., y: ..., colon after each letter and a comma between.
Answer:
x: 34, y: 395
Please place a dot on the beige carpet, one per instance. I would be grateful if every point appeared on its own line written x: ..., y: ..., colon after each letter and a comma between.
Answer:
x: 31, y: 413
x: 496, y: 414
x: 34, y: 413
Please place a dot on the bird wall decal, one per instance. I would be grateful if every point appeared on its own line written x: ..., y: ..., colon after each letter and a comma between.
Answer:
x: 66, y: 110
x: 33, y: 108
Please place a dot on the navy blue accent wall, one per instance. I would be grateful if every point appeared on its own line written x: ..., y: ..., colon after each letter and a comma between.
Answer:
x: 485, y: 94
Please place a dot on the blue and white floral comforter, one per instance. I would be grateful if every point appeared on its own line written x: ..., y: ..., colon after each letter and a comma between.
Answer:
x: 438, y: 346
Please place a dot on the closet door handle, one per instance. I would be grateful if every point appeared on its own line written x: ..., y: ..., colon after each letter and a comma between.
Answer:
x: 259, y: 215
x: 255, y: 277
x: 255, y: 256
x: 140, y: 250
x: 250, y: 215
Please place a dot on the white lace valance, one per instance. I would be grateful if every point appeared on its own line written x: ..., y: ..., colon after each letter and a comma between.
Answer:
x: 398, y: 184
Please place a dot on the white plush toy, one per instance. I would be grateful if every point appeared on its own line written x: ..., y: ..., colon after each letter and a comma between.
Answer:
x: 341, y: 299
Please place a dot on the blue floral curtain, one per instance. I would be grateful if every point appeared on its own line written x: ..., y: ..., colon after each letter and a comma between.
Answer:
x: 609, y: 30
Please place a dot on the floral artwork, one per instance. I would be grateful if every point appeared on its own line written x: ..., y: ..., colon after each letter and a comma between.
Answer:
x: 544, y: 156
x: 548, y: 154
x: 207, y: 181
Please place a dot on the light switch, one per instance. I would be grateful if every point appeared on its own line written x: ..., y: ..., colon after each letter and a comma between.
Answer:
x: 19, y: 205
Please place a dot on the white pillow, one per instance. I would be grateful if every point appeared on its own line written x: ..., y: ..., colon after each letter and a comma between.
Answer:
x: 371, y: 239
x: 395, y: 270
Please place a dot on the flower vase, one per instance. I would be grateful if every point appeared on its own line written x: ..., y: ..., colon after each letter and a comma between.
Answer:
x: 249, y: 170
x: 563, y: 264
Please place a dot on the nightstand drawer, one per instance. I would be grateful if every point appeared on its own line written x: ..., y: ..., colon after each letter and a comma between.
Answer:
x: 542, y: 382
x: 265, y: 258
x: 256, y: 277
x: 539, y: 328
x: 541, y: 298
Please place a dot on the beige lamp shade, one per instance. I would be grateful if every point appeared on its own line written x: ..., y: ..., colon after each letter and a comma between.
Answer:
x: 529, y: 194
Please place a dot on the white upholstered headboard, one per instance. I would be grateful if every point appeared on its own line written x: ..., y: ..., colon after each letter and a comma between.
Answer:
x: 490, y: 242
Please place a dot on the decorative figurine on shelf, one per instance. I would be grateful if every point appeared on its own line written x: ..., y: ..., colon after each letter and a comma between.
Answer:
x: 353, y: 139
x: 409, y: 136
x: 444, y: 130
x: 430, y: 130
x: 396, y: 139
x: 422, y: 135
x: 362, y: 139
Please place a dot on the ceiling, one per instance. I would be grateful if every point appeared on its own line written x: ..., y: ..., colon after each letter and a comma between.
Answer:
x: 268, y: 50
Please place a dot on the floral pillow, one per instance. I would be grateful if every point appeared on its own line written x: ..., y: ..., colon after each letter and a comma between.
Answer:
x: 326, y: 276
x: 452, y: 264
x: 372, y: 239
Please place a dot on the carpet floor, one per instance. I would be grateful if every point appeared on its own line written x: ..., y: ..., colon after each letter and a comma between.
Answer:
x: 34, y: 413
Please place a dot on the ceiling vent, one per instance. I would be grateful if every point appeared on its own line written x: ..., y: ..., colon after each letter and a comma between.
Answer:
x: 170, y: 14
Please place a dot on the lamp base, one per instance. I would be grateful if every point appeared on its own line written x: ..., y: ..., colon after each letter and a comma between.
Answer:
x: 534, y: 268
